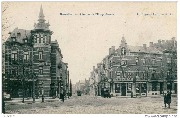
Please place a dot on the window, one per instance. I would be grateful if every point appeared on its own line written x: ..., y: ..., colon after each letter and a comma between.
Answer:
x: 117, y: 88
x: 40, y: 70
x: 40, y: 55
x: 154, y: 86
x: 124, y: 62
x: 37, y: 38
x: 13, y: 39
x: 144, y: 75
x: 42, y: 39
x: 129, y: 74
x: 14, y: 55
x: 25, y: 41
x: 144, y: 61
x: 14, y: 71
x: 137, y: 72
x: 26, y: 56
x: 168, y: 60
x: 137, y: 60
x: 153, y: 61
x: 117, y: 73
x: 143, y: 87
x: 123, y: 51
x: 161, y: 62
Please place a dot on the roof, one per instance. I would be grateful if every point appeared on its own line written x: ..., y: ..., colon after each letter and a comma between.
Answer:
x: 22, y: 35
x: 142, y: 49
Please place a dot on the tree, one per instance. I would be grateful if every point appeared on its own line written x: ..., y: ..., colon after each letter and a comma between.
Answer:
x: 70, y: 89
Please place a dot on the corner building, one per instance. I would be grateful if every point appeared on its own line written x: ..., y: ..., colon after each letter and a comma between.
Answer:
x: 143, y: 70
x: 30, y: 54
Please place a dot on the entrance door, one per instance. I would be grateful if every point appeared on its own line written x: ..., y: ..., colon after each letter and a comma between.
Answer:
x: 161, y: 88
x: 175, y: 88
x: 123, y: 89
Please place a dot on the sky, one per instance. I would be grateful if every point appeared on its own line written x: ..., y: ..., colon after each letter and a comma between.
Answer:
x: 85, y: 39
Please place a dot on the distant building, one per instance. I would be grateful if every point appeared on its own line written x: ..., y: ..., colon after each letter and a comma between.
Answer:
x: 32, y: 55
x: 139, y: 69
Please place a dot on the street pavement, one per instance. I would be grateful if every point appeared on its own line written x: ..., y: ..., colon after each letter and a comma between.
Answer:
x: 86, y: 104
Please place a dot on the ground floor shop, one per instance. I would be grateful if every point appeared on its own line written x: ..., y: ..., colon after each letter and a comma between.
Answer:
x: 138, y: 88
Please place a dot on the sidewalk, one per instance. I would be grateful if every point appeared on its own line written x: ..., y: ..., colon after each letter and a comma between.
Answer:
x: 30, y: 100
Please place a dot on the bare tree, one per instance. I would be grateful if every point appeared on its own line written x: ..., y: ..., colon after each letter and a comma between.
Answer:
x: 6, y: 20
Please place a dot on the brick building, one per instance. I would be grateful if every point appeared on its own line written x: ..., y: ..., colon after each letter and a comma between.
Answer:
x: 32, y: 58
x: 139, y: 69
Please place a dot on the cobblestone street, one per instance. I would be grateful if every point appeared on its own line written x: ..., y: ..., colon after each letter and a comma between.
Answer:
x: 94, y: 105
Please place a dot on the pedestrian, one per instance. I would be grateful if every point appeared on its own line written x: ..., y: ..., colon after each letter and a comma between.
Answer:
x: 131, y: 94
x: 63, y: 95
x: 165, y: 99
x: 168, y: 99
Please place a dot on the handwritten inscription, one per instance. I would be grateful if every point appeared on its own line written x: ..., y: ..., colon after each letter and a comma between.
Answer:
x: 86, y: 14
x: 154, y: 14
x: 161, y: 116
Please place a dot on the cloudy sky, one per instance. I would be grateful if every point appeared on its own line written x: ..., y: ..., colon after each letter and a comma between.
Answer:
x: 86, y: 39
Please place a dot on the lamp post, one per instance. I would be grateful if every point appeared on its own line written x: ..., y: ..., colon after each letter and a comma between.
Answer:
x: 34, y: 76
x: 23, y: 84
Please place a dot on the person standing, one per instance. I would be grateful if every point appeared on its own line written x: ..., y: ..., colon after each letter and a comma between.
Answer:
x: 165, y: 99
x: 168, y: 99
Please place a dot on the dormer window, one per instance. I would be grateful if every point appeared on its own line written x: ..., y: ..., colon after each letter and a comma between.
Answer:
x: 123, y: 51
x: 137, y: 60
x: 18, y: 35
x: 25, y: 41
x: 13, y: 39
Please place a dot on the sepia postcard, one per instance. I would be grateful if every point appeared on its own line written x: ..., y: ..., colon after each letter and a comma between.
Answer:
x: 89, y: 58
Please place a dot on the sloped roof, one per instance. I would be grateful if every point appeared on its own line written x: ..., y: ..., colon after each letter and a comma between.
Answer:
x: 142, y: 49
x: 154, y: 50
x: 22, y: 35
x: 136, y: 48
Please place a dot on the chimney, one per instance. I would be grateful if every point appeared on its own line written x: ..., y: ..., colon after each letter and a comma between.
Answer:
x: 93, y: 68
x: 163, y: 41
x: 144, y: 46
x: 150, y: 44
x: 113, y: 49
x: 159, y: 41
x: 110, y: 52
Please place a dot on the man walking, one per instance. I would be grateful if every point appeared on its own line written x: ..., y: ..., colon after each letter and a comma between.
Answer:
x: 168, y: 99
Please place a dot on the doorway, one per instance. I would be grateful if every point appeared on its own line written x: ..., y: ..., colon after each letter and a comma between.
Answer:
x: 123, y: 89
x: 161, y: 88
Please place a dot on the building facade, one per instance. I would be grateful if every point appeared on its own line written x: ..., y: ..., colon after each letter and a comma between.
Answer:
x: 33, y: 62
x: 140, y: 70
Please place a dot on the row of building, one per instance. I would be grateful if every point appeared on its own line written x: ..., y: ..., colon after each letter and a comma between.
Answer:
x: 137, y: 70
x: 33, y: 63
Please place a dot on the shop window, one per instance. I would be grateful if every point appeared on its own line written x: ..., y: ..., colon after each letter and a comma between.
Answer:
x: 143, y: 87
x: 169, y: 86
x: 154, y: 86
x: 117, y: 88
x: 129, y: 87
x: 137, y: 87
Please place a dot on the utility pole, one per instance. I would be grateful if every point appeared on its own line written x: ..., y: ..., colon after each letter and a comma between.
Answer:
x: 33, y: 88
x: 34, y: 75
x: 23, y: 84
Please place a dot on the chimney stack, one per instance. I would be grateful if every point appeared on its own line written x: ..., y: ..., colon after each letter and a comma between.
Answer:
x: 110, y: 52
x: 93, y: 68
x: 150, y: 44
x: 113, y: 49
x: 144, y: 46
x: 159, y: 41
